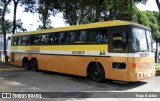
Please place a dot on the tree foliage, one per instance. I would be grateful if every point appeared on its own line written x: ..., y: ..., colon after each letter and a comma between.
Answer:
x: 87, y: 11
x: 6, y: 3
x: 45, y: 8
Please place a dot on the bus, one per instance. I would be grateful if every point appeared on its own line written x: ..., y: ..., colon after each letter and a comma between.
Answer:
x: 116, y: 50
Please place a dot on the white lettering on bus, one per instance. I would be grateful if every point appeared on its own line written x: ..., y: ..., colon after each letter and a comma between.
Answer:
x: 32, y: 51
x: 78, y: 52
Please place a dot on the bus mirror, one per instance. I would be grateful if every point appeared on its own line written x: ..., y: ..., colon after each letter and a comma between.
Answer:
x: 154, y: 46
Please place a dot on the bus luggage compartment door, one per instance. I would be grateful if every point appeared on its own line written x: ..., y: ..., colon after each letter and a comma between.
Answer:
x: 119, y: 69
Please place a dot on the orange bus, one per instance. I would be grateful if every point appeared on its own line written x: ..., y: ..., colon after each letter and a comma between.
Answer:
x: 117, y: 50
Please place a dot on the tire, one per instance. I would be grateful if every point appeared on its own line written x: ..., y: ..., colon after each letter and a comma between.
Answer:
x: 97, y: 73
x: 34, y: 64
x: 26, y: 64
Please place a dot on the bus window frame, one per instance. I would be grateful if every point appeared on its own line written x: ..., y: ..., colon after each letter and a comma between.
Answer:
x: 126, y: 29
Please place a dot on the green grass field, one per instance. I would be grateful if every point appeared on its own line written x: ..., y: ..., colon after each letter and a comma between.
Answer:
x: 157, y: 66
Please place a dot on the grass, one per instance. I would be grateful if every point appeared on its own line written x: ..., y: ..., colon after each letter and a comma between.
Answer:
x: 157, y: 66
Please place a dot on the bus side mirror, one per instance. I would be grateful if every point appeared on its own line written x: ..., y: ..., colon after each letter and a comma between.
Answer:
x: 154, y: 46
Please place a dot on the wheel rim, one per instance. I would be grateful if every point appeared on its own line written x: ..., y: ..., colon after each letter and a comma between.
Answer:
x: 97, y: 72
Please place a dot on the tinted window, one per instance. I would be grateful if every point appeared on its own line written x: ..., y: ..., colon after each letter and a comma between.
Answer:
x: 72, y: 37
x: 82, y: 36
x: 19, y: 40
x: 25, y: 40
x: 60, y: 38
x: 92, y: 34
x: 36, y: 39
x: 47, y: 39
x: 119, y: 41
x: 102, y: 36
x: 97, y: 36
x: 15, y: 41
x: 77, y: 37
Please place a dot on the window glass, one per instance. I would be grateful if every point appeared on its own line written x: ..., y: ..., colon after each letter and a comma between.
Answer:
x: 92, y: 36
x: 25, y: 40
x: 36, y: 39
x: 60, y: 38
x: 56, y: 38
x: 148, y: 33
x: 47, y: 39
x: 102, y: 36
x: 98, y: 36
x: 119, y: 41
x: 63, y: 37
x: 82, y: 36
x: 139, y: 42
x: 72, y: 37
x: 19, y: 40
x: 15, y: 41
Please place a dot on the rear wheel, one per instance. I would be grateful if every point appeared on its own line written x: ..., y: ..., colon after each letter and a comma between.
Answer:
x: 26, y: 64
x: 34, y: 64
x: 97, y: 73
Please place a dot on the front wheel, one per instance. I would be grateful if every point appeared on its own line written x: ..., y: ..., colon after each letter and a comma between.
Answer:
x: 34, y: 64
x: 97, y: 73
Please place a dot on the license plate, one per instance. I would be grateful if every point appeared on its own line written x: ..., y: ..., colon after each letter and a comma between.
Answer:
x: 149, y: 75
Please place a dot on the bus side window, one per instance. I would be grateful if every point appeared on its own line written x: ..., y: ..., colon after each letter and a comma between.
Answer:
x: 47, y: 39
x: 119, y: 41
x: 102, y: 36
x: 92, y: 36
x: 72, y: 37
x: 82, y: 37
x: 15, y: 41
x: 19, y: 40
x: 25, y: 40
x: 56, y: 38
x: 63, y: 37
x: 36, y: 39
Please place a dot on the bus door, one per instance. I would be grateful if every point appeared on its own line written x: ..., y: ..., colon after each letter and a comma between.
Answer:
x: 118, y: 50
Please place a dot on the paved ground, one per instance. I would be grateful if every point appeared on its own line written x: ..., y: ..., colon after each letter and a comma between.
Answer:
x: 15, y: 79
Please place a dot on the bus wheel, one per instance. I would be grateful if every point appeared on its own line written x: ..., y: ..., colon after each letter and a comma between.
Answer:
x: 97, y: 73
x: 34, y: 64
x: 26, y: 64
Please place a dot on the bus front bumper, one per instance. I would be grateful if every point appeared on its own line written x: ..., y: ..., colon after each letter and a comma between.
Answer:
x: 141, y: 75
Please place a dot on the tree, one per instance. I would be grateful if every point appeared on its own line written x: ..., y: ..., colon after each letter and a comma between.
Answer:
x: 14, y: 15
x: 29, y: 3
x: 45, y: 8
x: 19, y: 27
x: 6, y: 3
x: 158, y: 4
x: 87, y: 11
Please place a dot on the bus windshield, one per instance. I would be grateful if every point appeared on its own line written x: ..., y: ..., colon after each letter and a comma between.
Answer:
x: 141, y: 40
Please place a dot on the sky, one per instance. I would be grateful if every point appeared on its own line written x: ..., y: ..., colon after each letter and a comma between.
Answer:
x: 31, y: 21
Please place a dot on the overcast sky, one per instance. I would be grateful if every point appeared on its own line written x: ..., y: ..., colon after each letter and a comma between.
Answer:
x: 30, y: 21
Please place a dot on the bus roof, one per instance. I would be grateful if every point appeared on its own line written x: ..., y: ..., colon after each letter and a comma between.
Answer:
x: 81, y: 27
